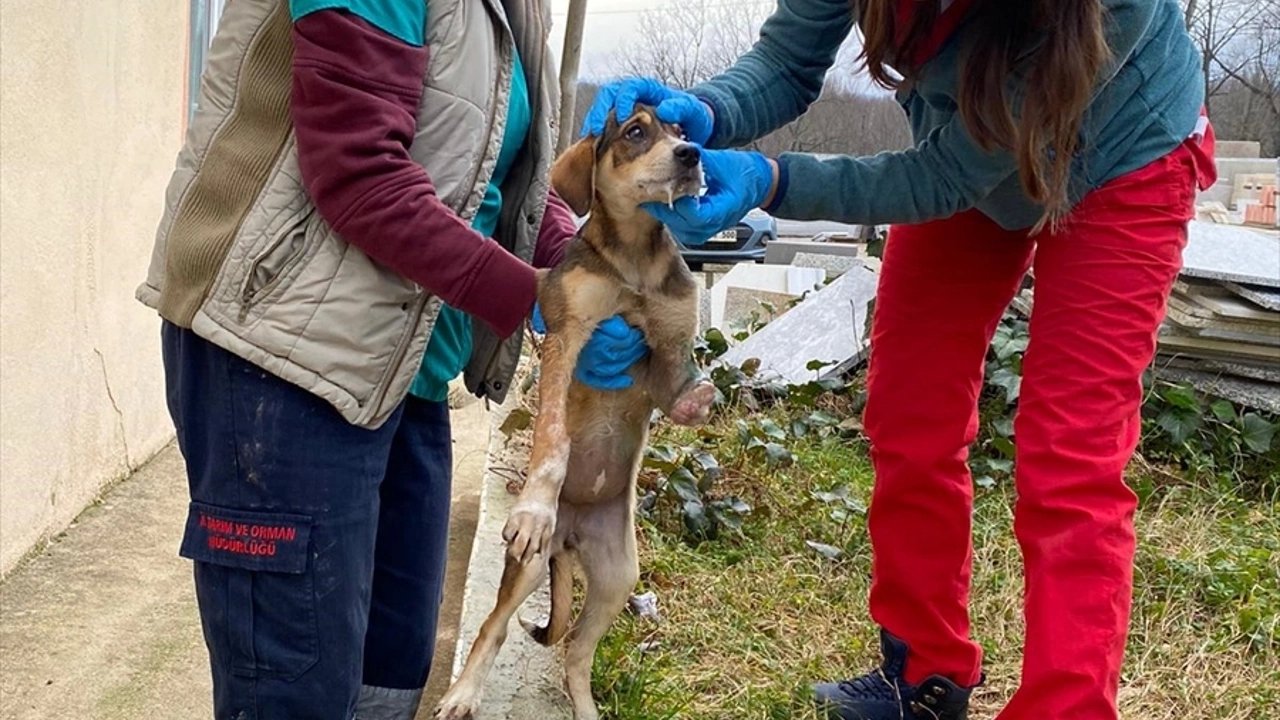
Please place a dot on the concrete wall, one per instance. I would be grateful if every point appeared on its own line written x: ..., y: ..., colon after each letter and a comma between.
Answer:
x: 91, y: 116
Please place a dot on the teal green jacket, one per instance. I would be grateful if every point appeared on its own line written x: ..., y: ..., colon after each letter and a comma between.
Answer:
x: 1147, y: 105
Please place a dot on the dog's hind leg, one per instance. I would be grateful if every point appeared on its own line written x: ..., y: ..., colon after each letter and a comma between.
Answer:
x: 518, y: 583
x: 607, y: 553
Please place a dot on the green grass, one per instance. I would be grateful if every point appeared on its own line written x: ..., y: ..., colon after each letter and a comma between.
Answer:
x: 750, y: 620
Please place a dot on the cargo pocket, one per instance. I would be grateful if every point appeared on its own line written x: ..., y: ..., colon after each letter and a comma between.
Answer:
x: 256, y: 590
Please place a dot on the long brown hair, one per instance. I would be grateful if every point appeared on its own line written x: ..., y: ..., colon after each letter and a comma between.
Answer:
x: 1059, y: 48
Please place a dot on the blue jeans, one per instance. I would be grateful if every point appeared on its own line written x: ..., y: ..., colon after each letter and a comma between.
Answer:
x: 319, y: 547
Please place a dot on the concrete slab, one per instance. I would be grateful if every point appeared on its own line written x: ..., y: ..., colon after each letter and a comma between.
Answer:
x: 1224, y: 149
x: 1237, y: 254
x: 1194, y: 319
x: 1230, y: 167
x: 744, y: 305
x: 1219, y: 192
x: 1213, y: 211
x: 782, y: 252
x: 1263, y: 297
x: 1241, y: 334
x: 1250, y: 393
x: 1173, y: 343
x: 834, y: 265
x: 1186, y: 313
x: 772, y: 278
x: 828, y: 327
x: 1264, y: 373
x: 704, y: 310
x: 1221, y: 302
x: 1023, y: 303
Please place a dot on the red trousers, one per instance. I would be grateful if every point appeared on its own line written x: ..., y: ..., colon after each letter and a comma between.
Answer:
x: 1101, y: 284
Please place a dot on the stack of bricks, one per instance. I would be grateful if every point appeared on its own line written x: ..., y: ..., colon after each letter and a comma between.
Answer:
x: 1263, y: 213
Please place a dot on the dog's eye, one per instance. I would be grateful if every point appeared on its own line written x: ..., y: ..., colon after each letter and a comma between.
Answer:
x: 635, y: 133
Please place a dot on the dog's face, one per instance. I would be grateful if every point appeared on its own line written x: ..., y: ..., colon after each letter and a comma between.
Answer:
x: 637, y: 161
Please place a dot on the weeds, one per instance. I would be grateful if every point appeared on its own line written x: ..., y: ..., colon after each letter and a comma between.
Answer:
x: 1211, y: 438
x: 1204, y: 438
x: 753, y: 534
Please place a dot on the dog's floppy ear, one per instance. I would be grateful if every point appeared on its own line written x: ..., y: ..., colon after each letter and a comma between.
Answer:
x: 573, y: 175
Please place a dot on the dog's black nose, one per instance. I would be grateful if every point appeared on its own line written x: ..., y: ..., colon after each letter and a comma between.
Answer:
x: 688, y: 154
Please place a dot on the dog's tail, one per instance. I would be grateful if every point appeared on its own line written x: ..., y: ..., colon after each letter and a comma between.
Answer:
x: 561, y: 606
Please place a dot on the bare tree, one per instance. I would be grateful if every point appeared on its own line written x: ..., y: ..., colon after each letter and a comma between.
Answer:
x: 1239, y: 43
x: 686, y: 43
x: 842, y: 123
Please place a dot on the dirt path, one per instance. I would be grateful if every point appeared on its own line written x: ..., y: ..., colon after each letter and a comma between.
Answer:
x: 103, y: 625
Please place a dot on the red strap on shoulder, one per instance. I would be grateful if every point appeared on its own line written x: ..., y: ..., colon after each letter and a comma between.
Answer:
x: 946, y: 24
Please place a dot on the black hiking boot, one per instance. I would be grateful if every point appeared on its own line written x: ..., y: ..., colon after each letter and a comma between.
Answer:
x: 883, y: 694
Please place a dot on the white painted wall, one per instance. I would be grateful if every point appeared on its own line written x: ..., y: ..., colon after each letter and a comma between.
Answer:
x: 91, y: 113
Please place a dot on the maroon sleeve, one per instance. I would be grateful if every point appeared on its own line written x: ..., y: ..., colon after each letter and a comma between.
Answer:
x: 557, y: 231
x: 355, y: 99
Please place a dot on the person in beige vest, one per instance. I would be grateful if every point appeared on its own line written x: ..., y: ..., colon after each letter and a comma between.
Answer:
x: 355, y: 219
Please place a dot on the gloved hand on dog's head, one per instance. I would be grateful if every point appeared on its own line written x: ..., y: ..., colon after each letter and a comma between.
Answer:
x: 608, y: 355
x: 738, y: 181
x: 671, y: 106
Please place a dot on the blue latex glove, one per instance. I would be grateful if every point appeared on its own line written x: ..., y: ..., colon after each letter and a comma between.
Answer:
x: 610, y: 352
x: 737, y: 182
x: 672, y: 106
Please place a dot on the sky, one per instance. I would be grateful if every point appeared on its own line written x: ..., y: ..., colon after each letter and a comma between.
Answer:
x: 609, y: 24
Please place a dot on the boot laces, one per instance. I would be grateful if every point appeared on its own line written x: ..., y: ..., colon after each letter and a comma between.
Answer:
x: 876, y: 685
x: 920, y: 708
x: 873, y: 686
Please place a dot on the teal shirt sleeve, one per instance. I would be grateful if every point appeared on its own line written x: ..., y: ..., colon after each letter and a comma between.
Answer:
x: 403, y: 19
x: 943, y: 174
x: 782, y: 75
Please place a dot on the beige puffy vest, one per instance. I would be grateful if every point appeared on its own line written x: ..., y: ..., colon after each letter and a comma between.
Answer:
x: 243, y: 259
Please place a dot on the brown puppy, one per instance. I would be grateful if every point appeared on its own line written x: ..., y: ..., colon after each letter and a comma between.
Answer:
x: 578, y: 504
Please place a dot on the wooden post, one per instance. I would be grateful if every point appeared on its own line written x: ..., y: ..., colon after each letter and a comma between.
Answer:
x: 569, y: 61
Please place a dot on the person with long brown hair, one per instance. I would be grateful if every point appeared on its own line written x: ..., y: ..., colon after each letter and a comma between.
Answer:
x: 1061, y: 136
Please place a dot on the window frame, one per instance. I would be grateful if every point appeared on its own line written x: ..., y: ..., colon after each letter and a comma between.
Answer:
x: 204, y: 16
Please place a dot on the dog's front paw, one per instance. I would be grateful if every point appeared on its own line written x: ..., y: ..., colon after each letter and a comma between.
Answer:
x: 457, y: 705
x: 693, y: 407
x: 529, y: 530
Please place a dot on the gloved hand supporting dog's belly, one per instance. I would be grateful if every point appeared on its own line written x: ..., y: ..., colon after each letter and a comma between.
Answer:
x: 606, y: 360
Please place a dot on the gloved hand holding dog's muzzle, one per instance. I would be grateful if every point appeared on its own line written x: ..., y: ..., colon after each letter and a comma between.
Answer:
x: 606, y: 359
x: 670, y: 105
x: 738, y: 181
